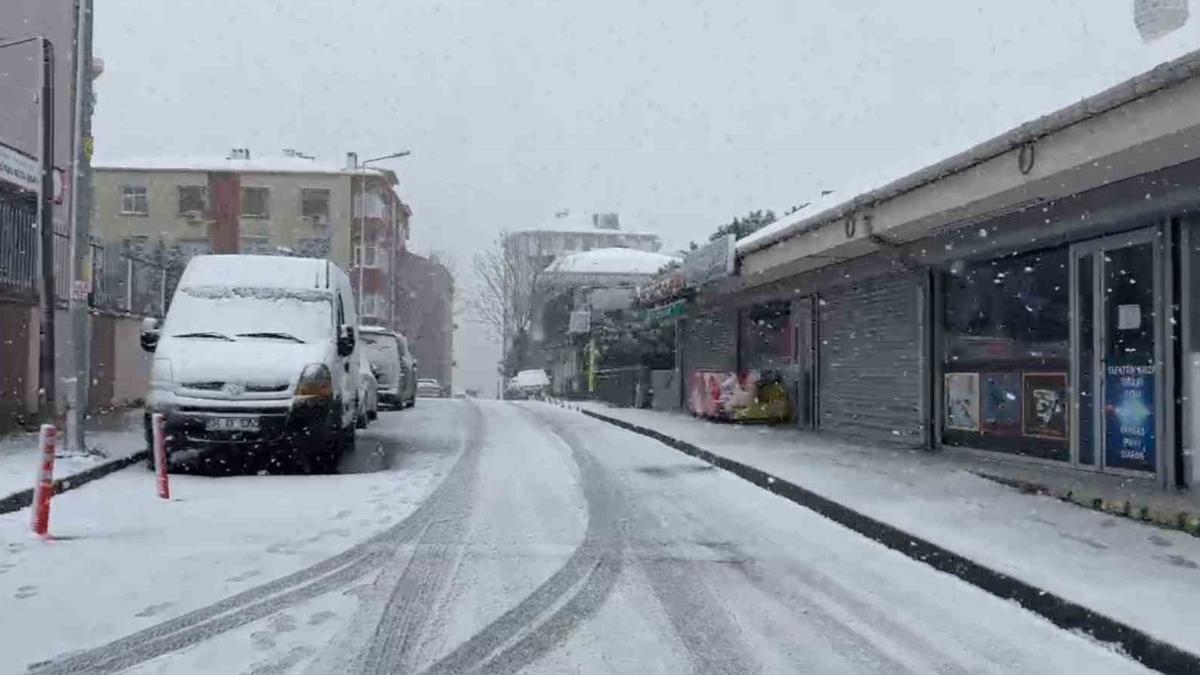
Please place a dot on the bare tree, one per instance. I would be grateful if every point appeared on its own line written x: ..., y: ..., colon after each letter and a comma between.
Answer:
x: 450, y: 261
x: 503, y: 298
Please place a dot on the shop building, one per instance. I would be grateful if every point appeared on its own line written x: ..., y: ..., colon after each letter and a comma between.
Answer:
x: 1033, y: 297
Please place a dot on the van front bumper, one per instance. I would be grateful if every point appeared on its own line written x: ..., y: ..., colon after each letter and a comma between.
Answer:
x: 282, y: 429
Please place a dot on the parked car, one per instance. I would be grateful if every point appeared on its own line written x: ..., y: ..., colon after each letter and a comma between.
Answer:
x: 254, y: 360
x: 529, y: 384
x: 383, y: 351
x: 429, y: 388
x: 368, y: 391
x: 409, y: 366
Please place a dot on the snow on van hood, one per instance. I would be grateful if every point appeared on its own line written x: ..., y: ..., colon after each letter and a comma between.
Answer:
x: 248, y: 361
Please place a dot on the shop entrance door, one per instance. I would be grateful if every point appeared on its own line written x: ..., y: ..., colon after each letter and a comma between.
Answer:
x: 1116, y: 404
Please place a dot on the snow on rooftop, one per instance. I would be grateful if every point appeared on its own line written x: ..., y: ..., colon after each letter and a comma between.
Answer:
x: 577, y: 221
x: 282, y: 164
x: 611, y: 261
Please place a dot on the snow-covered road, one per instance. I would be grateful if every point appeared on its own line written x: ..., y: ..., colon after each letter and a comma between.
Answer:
x: 492, y: 537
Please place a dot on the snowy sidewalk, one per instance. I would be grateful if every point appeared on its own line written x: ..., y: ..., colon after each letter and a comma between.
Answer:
x: 1132, y: 572
x: 118, y: 435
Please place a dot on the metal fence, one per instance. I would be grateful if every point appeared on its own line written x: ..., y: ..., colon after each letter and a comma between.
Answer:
x: 18, y: 251
x: 123, y: 280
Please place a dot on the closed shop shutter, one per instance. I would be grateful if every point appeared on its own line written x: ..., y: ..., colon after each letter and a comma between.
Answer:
x: 869, y: 352
x: 709, y: 342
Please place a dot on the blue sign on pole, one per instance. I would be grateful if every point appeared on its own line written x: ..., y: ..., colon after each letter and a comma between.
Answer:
x: 1130, y: 417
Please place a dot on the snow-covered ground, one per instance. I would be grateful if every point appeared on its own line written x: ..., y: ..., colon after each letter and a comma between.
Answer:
x: 19, y: 455
x: 492, y: 537
x: 122, y: 559
x: 1135, y: 573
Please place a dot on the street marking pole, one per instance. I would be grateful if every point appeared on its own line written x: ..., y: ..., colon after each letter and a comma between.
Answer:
x: 158, y: 423
x: 43, y: 488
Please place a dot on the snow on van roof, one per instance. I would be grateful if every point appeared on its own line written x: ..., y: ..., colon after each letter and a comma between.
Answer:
x: 259, y: 271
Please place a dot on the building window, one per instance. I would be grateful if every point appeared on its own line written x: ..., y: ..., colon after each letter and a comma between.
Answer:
x: 368, y: 254
x: 373, y: 305
x: 256, y: 202
x: 314, y: 205
x: 193, y: 200
x: 314, y: 247
x: 194, y: 247
x: 255, y: 245
x: 135, y: 201
x: 1007, y: 354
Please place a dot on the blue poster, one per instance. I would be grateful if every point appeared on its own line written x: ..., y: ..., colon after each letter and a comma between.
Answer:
x: 1129, y: 417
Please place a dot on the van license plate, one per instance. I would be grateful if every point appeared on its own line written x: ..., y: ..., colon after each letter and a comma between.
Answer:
x: 232, y: 424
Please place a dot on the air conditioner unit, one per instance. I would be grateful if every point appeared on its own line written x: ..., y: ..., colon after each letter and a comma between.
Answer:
x: 192, y: 216
x: 318, y: 220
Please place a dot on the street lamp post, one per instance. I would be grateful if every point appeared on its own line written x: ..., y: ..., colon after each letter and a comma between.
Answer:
x: 362, y: 219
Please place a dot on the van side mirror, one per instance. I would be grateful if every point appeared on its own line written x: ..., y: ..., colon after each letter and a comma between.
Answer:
x: 149, y: 335
x: 345, y: 340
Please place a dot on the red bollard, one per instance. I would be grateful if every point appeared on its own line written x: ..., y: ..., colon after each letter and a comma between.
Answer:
x: 43, y: 489
x: 158, y: 424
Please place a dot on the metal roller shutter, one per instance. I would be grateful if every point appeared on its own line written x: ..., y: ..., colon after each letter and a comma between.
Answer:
x: 709, y: 342
x: 869, y: 352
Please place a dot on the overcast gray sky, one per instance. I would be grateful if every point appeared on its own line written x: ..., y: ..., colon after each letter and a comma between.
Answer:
x: 678, y: 114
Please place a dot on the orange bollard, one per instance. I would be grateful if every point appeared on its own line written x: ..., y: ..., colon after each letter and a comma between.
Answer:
x: 43, y: 489
x: 158, y: 426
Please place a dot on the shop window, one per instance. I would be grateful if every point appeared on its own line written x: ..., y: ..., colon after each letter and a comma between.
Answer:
x: 1007, y: 354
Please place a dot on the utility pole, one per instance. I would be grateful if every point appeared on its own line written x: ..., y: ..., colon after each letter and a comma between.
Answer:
x: 81, y: 249
x: 46, y: 388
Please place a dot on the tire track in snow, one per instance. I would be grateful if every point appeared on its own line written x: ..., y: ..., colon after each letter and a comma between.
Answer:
x: 517, y: 639
x: 323, y: 577
x: 700, y: 621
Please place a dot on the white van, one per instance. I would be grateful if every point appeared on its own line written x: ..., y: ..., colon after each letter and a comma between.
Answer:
x: 256, y: 359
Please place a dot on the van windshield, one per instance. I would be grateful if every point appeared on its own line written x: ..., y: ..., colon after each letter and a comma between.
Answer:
x: 231, y: 311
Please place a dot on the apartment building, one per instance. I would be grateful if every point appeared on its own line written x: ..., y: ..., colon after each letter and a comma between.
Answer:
x: 291, y: 204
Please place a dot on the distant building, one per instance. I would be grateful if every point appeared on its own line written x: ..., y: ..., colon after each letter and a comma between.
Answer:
x: 533, y: 249
x: 291, y: 205
x: 425, y: 314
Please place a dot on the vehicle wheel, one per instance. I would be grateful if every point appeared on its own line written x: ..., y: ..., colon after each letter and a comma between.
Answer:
x: 360, y: 421
x: 373, y: 415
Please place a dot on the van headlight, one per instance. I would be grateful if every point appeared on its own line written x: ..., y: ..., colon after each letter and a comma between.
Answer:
x: 161, y: 376
x: 315, y: 386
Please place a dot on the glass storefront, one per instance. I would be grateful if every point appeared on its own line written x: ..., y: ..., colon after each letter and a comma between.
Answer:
x: 1006, y: 346
x: 1056, y: 354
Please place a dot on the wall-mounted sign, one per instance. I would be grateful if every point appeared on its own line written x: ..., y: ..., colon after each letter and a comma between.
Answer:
x: 18, y: 169
x: 714, y: 260
x: 671, y: 285
x: 666, y: 312
x: 1000, y: 402
x: 962, y: 401
x: 1044, y: 408
x: 1129, y: 419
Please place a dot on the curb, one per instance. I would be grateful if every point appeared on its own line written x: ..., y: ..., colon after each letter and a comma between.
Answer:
x: 19, y: 500
x: 1147, y: 650
x: 1169, y: 519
